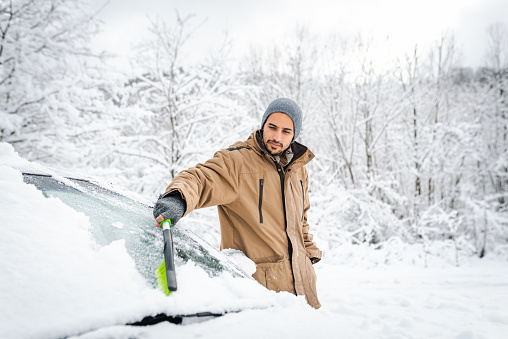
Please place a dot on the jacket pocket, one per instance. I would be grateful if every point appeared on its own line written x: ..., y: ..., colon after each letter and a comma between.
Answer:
x: 260, y: 205
x: 303, y: 200
x: 275, y: 276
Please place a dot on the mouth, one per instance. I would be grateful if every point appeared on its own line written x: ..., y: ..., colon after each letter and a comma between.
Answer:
x: 274, y: 144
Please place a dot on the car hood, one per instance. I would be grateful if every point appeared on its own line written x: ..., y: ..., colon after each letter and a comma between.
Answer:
x: 57, y: 279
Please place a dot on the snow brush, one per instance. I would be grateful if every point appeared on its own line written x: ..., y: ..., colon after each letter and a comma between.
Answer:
x: 166, y: 276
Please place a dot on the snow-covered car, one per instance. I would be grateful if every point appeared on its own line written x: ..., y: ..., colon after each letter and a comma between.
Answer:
x: 77, y: 256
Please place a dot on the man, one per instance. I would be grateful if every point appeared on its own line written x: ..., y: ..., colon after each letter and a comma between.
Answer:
x: 260, y: 187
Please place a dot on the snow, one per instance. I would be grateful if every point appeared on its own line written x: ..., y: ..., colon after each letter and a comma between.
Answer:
x: 247, y: 265
x: 56, y: 281
x: 358, y: 302
x: 118, y: 225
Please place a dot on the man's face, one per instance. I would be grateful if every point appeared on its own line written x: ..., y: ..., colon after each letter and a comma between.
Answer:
x: 278, y: 133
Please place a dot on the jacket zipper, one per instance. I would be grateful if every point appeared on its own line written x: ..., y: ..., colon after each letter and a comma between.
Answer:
x: 303, y: 200
x: 281, y: 176
x: 290, y: 246
x: 261, y: 201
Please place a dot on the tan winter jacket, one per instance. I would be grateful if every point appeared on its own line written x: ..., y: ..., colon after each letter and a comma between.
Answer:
x: 262, y: 210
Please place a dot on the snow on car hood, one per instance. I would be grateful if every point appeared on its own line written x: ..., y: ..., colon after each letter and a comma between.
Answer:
x: 56, y: 281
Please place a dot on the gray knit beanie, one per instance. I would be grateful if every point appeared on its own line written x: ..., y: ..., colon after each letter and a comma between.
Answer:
x: 286, y: 106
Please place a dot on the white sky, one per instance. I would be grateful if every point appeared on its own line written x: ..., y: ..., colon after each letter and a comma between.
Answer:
x: 406, y: 22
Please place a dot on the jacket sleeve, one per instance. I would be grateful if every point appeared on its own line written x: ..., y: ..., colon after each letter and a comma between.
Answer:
x: 313, y: 252
x: 208, y: 184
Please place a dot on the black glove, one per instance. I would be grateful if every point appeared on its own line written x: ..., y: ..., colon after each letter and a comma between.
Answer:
x: 170, y: 207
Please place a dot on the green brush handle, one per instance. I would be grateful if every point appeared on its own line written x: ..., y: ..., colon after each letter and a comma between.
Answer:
x: 166, y: 224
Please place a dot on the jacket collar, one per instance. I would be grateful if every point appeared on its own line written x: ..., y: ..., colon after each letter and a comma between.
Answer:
x: 301, y: 154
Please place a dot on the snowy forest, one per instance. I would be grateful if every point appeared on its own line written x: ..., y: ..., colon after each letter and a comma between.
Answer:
x: 411, y: 154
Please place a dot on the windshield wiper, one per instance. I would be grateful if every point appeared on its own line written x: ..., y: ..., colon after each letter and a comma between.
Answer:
x: 177, y: 319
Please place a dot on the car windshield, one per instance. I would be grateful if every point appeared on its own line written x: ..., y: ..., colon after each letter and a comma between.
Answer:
x: 114, y: 217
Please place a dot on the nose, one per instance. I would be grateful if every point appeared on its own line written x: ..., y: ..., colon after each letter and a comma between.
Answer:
x: 276, y: 136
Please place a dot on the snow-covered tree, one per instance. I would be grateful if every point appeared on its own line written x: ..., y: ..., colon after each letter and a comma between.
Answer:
x: 44, y: 57
x: 176, y: 113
